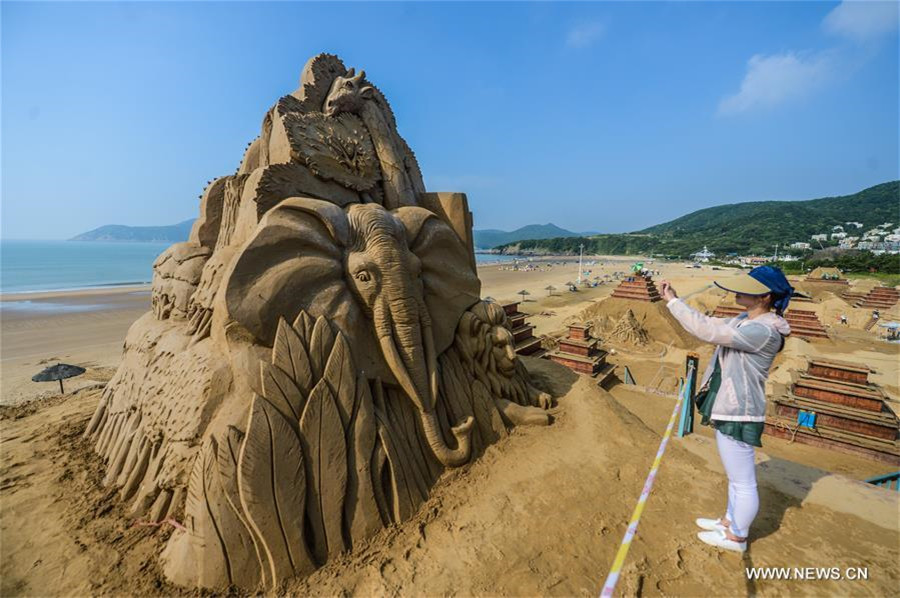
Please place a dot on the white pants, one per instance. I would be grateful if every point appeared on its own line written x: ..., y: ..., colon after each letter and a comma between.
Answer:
x: 743, y: 497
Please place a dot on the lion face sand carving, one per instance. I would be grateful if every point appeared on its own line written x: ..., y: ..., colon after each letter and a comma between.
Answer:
x: 316, y: 355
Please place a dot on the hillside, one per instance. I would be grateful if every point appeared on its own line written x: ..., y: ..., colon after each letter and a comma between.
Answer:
x: 487, y: 238
x: 782, y: 220
x: 117, y: 232
x: 745, y: 228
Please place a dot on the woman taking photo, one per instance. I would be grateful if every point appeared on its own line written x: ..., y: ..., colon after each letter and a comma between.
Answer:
x: 733, y: 389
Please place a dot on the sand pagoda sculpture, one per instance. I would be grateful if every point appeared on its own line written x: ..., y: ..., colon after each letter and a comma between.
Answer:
x: 316, y: 354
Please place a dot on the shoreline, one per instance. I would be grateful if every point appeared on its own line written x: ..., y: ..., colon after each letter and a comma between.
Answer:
x: 131, y: 287
x: 115, y: 289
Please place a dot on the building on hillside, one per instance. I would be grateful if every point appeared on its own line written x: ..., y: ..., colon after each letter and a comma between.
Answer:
x: 892, y: 238
x: 837, y: 236
x: 703, y: 256
x: 886, y: 225
x: 837, y: 228
x: 787, y: 257
x: 877, y: 247
x: 847, y: 243
x: 819, y: 237
x: 755, y: 260
x: 799, y: 245
x: 856, y: 224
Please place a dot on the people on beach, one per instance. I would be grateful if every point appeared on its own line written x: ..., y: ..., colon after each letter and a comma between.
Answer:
x: 732, y: 391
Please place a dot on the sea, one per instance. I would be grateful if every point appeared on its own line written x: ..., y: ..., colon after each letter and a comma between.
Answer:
x: 35, y: 266
x: 44, y: 266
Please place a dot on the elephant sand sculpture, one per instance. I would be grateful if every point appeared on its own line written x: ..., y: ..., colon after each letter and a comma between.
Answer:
x: 317, y: 353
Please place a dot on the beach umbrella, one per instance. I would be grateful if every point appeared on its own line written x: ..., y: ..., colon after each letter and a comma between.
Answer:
x: 60, y: 372
x: 524, y: 294
x: 572, y: 286
x: 549, y: 288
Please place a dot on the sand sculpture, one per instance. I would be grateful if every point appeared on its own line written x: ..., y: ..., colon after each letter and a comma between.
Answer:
x: 316, y: 354
x: 629, y: 331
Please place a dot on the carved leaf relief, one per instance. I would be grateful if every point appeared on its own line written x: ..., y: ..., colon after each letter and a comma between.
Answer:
x: 272, y: 482
x: 335, y: 148
x: 326, y: 450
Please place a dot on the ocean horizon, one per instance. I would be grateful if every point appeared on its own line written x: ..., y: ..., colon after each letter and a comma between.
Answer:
x: 43, y: 266
x: 35, y: 266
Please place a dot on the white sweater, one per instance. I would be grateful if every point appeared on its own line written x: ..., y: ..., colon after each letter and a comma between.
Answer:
x: 746, y: 349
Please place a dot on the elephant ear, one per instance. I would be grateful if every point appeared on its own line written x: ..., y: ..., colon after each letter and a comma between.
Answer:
x: 293, y: 262
x: 451, y: 284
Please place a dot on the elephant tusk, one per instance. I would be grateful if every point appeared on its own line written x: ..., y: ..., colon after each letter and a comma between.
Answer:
x: 392, y: 355
x: 431, y: 359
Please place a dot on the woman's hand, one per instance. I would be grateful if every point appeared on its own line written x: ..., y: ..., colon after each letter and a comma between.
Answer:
x: 668, y: 292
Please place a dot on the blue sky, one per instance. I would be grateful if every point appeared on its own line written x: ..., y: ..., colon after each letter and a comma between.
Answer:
x: 608, y: 117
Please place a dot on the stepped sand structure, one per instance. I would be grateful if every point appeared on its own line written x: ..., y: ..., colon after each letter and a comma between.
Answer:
x: 804, y: 322
x: 581, y: 353
x: 880, y: 298
x: 851, y: 414
x: 523, y: 332
x: 637, y: 288
x: 852, y: 297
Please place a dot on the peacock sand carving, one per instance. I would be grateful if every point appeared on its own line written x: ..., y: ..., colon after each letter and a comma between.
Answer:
x: 316, y: 354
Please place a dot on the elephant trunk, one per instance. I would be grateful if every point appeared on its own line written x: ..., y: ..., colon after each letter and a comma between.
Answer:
x: 463, y: 434
x: 404, y: 333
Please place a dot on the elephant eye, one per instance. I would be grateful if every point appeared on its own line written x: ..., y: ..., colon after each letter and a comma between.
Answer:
x: 362, y: 276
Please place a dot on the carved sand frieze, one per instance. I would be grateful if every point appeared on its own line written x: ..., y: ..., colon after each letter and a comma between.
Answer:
x: 316, y: 355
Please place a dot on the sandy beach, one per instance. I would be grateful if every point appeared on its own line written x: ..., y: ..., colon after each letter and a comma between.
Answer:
x: 85, y: 328
x: 580, y: 477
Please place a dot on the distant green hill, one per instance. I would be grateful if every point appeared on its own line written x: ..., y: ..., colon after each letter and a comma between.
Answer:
x: 487, y: 238
x: 744, y: 228
x: 174, y: 233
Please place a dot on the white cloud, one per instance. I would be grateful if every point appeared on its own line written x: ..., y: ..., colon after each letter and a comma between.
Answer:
x: 585, y: 34
x: 862, y: 21
x: 778, y: 78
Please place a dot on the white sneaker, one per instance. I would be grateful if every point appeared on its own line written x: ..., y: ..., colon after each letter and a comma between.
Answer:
x: 711, y: 524
x: 718, y: 539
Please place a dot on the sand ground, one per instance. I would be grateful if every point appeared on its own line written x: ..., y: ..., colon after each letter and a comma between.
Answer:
x: 542, y: 513
x: 85, y: 328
